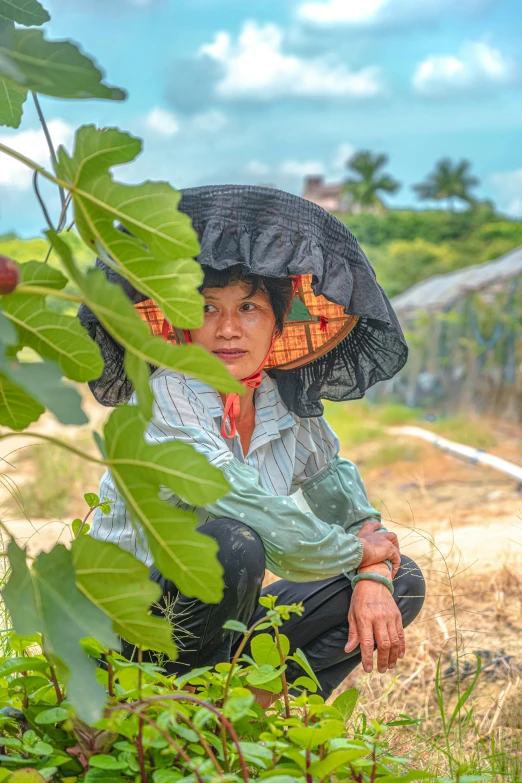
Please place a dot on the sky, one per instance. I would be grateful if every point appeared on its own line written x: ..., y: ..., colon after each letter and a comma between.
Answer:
x: 269, y: 91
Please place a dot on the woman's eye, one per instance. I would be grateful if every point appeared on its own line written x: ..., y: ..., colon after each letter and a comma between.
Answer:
x: 208, y: 308
x: 248, y: 306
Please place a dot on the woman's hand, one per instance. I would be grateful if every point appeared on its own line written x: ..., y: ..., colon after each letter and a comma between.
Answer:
x: 374, y: 618
x: 379, y: 546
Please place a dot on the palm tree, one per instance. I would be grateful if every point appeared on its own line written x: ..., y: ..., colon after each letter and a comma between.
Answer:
x: 370, y: 182
x: 448, y: 181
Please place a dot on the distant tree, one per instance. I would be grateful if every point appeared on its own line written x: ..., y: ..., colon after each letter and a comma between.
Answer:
x: 450, y: 181
x: 370, y: 182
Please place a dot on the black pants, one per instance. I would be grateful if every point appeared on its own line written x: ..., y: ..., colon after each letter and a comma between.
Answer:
x: 321, y: 631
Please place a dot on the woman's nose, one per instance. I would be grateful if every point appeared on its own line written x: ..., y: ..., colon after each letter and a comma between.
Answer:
x: 229, y: 326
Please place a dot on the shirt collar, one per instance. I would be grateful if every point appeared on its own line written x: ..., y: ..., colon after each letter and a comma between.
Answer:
x: 271, y: 412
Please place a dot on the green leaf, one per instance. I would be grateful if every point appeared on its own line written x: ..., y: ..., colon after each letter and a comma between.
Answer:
x: 56, y: 68
x: 140, y: 470
x: 17, y: 408
x: 264, y: 649
x: 235, y: 625
x: 43, y: 381
x: 265, y: 675
x: 27, y: 776
x: 256, y: 754
x: 38, y: 273
x: 27, y: 12
x: 467, y: 693
x: 155, y: 219
x: 31, y: 663
x: 238, y: 704
x: 346, y: 702
x: 305, y: 682
x: 104, y: 761
x: 12, y: 99
x: 92, y: 499
x: 300, y: 658
x: 312, y: 737
x: 8, y: 334
x: 54, y: 336
x: 119, y: 318
x: 139, y: 373
x: 45, y: 600
x: 113, y: 580
x: 77, y: 525
x: 54, y: 715
x: 334, y: 760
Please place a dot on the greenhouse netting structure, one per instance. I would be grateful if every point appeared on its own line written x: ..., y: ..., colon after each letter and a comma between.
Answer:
x: 464, y: 330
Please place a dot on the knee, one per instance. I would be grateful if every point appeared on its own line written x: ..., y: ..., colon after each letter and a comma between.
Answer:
x: 241, y: 551
x: 410, y: 589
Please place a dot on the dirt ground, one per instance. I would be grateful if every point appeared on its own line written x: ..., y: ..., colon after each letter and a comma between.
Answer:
x: 462, y: 523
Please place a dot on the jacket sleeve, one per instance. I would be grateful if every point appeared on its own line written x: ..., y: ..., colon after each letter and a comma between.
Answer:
x: 299, y: 545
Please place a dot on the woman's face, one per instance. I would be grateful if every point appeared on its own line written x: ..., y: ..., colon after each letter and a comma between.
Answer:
x: 237, y: 328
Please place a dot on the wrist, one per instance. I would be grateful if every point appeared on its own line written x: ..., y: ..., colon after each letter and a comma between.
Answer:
x: 378, y: 568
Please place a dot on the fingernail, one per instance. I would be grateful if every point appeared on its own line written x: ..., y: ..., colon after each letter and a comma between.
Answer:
x: 367, y: 668
x: 401, y: 655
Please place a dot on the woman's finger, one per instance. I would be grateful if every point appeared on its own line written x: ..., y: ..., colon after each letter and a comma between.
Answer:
x: 401, y: 635
x: 394, y: 643
x: 367, y: 642
x: 380, y: 630
x: 393, y: 538
x: 353, y: 634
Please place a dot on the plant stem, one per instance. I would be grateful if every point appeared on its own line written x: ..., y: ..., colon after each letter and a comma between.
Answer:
x: 41, y: 290
x: 110, y: 677
x: 41, y: 201
x: 139, y: 740
x: 164, y: 734
x: 86, y: 517
x: 286, y: 700
x: 54, y: 679
x: 309, y: 778
x: 49, y: 141
x: 230, y: 728
x: 237, y: 655
x: 204, y: 743
x: 57, y: 442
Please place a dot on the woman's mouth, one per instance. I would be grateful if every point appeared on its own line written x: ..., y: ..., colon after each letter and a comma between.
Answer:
x: 230, y: 354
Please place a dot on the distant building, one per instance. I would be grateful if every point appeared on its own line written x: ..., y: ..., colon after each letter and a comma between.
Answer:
x: 328, y: 196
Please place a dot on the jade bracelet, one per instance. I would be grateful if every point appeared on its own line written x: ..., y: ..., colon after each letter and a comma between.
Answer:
x: 383, y: 580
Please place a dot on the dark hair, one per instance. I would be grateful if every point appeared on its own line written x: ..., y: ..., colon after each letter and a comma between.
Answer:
x: 278, y: 289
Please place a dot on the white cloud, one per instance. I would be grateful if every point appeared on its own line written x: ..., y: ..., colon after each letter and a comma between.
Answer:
x: 255, y: 67
x: 509, y: 187
x: 291, y: 173
x: 340, y: 156
x: 33, y: 145
x: 341, y: 11
x: 476, y: 67
x: 377, y: 13
x: 211, y: 121
x: 161, y: 122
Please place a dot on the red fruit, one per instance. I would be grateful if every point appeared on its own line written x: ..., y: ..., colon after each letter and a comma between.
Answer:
x: 9, y: 275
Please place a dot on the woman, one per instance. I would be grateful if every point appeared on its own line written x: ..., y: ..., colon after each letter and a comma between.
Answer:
x: 288, y: 289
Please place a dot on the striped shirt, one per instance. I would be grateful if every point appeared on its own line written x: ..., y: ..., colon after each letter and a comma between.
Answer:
x: 286, y: 453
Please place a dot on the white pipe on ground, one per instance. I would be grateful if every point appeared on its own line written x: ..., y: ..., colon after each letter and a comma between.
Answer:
x: 475, y: 456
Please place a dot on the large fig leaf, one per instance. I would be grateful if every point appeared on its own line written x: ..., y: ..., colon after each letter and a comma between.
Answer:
x: 27, y: 12
x: 18, y: 409
x: 156, y: 256
x: 45, y: 599
x: 119, y: 585
x: 43, y: 381
x: 12, y: 99
x: 54, y: 336
x: 120, y: 319
x: 56, y: 68
x: 140, y: 470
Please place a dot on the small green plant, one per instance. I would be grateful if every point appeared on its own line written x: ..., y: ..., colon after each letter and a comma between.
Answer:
x: 154, y: 729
